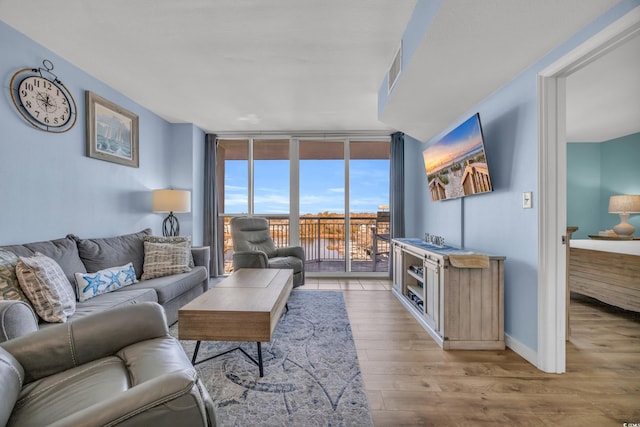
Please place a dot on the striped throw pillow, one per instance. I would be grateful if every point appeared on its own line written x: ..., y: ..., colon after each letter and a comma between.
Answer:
x: 173, y: 240
x: 165, y: 259
x: 47, y: 287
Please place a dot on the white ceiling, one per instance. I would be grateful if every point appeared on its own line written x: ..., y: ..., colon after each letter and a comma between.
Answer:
x: 475, y: 47
x: 603, y: 99
x: 229, y: 65
x: 299, y: 65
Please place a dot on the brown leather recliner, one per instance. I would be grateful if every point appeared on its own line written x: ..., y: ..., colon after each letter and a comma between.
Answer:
x: 119, y: 367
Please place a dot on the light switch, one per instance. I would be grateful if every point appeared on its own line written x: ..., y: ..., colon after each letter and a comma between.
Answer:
x: 527, y: 202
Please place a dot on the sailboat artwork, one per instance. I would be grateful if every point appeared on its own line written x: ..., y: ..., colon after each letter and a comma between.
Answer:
x: 113, y: 133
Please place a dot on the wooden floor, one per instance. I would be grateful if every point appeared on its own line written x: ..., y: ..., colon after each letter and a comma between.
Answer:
x: 409, y: 380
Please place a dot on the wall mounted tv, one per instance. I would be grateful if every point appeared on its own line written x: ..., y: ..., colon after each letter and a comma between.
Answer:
x: 456, y: 165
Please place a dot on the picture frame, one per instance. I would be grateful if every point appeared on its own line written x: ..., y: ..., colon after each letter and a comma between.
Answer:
x: 112, y: 132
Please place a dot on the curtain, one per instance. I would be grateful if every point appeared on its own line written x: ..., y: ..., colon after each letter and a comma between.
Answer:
x: 396, y: 193
x: 212, y: 227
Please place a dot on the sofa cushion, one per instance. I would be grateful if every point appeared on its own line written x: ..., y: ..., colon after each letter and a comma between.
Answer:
x: 47, y: 287
x: 165, y: 259
x: 90, y: 285
x: 9, y: 285
x: 112, y: 300
x: 100, y: 254
x: 170, y: 287
x: 63, y: 251
x: 287, y: 262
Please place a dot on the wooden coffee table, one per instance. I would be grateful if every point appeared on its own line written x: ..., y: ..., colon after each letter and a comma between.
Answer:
x: 246, y: 306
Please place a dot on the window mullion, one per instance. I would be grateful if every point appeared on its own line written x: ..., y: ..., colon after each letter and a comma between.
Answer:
x: 347, y: 219
x: 251, y: 175
x: 294, y: 192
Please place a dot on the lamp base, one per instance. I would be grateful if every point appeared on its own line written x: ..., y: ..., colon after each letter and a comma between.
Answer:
x: 624, y: 228
x: 170, y: 226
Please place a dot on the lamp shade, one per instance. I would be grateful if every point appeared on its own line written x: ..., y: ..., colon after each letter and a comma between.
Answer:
x: 171, y: 201
x: 624, y: 204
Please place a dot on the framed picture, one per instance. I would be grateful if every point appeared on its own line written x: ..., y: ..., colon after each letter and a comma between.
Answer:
x: 112, y: 132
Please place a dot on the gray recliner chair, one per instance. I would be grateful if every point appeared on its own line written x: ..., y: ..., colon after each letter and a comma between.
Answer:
x: 118, y: 367
x: 253, y: 247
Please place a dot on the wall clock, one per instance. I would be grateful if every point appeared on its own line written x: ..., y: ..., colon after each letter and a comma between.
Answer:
x: 42, y: 99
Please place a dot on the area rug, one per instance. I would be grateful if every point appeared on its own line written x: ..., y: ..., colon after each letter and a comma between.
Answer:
x: 311, y: 371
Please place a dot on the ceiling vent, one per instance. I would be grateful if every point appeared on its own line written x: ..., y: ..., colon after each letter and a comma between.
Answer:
x: 395, y: 69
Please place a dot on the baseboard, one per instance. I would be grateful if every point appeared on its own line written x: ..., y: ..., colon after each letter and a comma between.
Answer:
x: 527, y: 353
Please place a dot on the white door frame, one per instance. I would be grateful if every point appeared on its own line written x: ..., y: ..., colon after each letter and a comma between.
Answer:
x: 552, y: 185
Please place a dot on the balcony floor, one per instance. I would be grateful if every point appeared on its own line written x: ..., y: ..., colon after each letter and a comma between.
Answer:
x: 346, y: 284
x: 382, y: 266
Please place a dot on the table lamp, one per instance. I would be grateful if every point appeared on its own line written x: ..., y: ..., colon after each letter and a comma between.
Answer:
x: 624, y: 205
x: 171, y: 201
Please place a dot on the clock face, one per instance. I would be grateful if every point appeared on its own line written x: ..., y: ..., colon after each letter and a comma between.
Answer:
x: 44, y: 101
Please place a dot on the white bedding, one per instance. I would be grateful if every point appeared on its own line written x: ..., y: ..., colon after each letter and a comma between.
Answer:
x: 631, y: 247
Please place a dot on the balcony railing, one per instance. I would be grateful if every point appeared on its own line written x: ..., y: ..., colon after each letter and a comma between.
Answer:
x: 323, y: 239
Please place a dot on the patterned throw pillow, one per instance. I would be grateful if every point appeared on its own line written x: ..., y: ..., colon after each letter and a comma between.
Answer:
x: 47, y: 287
x: 9, y: 286
x: 172, y: 239
x: 90, y: 285
x: 165, y: 259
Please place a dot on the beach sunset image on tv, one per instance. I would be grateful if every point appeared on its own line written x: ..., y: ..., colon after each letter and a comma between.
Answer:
x: 456, y: 165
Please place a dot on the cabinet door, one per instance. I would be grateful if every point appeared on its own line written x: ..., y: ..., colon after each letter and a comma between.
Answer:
x: 432, y: 293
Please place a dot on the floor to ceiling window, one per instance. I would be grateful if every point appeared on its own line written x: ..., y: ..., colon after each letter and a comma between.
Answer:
x: 304, y: 187
x: 369, y: 205
x: 322, y: 205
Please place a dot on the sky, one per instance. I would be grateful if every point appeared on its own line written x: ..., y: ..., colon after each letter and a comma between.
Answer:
x: 321, y: 186
x: 464, y: 138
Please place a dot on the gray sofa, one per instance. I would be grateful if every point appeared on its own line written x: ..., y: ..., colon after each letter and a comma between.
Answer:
x: 112, y: 368
x: 76, y: 255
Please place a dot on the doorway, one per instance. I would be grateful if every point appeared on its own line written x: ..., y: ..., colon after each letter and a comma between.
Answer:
x: 552, y: 179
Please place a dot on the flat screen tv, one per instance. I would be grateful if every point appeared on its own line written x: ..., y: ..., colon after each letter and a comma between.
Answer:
x: 456, y: 165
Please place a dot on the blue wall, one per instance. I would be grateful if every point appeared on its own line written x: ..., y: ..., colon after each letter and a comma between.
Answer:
x: 595, y: 172
x: 496, y: 223
x: 583, y: 188
x: 49, y: 188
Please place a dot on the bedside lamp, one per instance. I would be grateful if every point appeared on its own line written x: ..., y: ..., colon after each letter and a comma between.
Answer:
x: 171, y: 201
x: 624, y: 205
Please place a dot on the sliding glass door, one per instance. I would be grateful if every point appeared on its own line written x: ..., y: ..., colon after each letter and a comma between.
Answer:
x: 369, y: 216
x: 322, y: 205
x: 328, y: 195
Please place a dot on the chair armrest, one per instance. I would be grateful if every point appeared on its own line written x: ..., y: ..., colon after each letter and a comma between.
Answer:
x: 16, y: 319
x: 250, y: 259
x: 67, y: 345
x: 296, y: 251
x: 11, y: 378
x: 201, y: 255
x: 134, y: 401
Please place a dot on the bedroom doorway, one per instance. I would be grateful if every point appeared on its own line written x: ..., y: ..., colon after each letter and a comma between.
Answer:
x: 552, y: 165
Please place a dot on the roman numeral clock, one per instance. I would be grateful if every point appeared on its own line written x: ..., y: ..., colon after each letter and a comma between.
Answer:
x: 42, y: 100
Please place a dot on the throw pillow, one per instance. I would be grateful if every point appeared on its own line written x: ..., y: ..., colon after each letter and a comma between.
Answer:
x: 165, y: 259
x: 9, y: 286
x: 103, y: 281
x: 47, y: 287
x: 172, y: 239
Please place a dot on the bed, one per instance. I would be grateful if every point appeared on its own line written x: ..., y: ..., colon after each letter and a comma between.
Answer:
x: 608, y: 270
